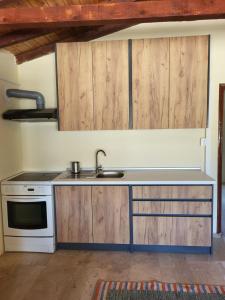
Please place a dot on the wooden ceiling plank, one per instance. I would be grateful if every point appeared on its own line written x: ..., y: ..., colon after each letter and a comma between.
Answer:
x: 83, y: 35
x: 19, y: 36
x: 4, y: 2
x: 119, y: 12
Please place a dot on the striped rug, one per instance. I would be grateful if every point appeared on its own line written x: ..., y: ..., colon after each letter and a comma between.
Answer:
x: 144, y: 290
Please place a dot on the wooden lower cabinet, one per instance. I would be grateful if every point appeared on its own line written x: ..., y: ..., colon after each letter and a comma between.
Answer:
x: 92, y: 214
x: 172, y: 192
x: 172, y: 231
x: 172, y: 207
x: 172, y: 215
x: 110, y: 215
x: 161, y: 216
x: 73, y: 214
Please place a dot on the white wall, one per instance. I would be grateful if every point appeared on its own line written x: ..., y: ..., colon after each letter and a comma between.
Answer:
x: 10, y: 134
x: 46, y: 148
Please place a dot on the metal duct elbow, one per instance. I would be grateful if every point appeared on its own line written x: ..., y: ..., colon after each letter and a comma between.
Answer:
x: 38, y: 97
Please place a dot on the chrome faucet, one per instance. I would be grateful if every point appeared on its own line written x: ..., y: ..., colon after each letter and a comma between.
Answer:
x: 98, y: 168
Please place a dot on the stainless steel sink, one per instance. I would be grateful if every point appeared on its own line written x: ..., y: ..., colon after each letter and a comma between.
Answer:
x: 93, y: 175
x: 110, y: 174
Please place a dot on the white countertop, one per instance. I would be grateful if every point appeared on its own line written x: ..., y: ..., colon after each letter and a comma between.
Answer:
x: 143, y: 177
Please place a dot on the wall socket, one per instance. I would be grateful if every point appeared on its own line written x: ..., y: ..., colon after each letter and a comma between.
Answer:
x: 202, y: 142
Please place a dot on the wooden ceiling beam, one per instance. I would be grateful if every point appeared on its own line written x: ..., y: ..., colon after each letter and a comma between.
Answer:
x: 20, y: 36
x: 4, y: 2
x: 104, y: 13
x: 84, y: 35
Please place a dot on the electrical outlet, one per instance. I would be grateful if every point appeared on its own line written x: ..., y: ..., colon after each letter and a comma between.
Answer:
x: 202, y: 142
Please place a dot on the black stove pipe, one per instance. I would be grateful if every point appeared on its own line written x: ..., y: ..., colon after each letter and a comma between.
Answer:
x: 38, y: 97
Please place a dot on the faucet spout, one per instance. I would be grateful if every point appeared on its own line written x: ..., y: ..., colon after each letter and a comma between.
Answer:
x: 98, y: 168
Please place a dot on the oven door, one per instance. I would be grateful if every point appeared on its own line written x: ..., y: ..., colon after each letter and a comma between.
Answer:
x: 28, y: 216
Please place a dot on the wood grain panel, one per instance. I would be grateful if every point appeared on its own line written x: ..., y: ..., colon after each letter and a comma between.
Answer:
x: 191, y: 231
x: 150, y: 70
x: 75, y: 91
x: 110, y: 214
x: 152, y: 230
x: 188, y: 82
x: 176, y: 207
x: 172, y: 192
x: 174, y: 231
x: 73, y: 214
x: 110, y: 85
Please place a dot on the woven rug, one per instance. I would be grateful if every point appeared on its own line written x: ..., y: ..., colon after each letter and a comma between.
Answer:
x: 155, y: 290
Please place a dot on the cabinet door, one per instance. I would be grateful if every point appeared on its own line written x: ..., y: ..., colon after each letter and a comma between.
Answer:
x: 150, y: 83
x: 110, y: 214
x: 93, y: 85
x: 110, y: 84
x: 172, y: 192
x: 73, y: 214
x: 172, y: 231
x: 75, y: 89
x: 188, y: 82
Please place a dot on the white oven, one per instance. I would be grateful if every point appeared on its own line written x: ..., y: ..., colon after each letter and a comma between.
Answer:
x: 28, y: 216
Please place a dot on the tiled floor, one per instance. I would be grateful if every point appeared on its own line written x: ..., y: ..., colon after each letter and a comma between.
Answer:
x: 71, y: 275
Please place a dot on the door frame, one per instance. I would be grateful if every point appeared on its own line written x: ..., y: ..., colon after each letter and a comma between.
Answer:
x: 220, y: 156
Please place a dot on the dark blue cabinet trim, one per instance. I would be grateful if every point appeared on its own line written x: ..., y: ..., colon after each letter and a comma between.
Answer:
x: 172, y: 249
x: 172, y: 215
x: 128, y: 247
x: 131, y: 214
x: 94, y: 246
x: 172, y: 200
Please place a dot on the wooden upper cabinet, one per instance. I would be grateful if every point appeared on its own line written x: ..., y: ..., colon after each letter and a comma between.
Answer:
x: 93, y: 85
x: 110, y: 85
x: 188, y: 82
x: 75, y: 90
x: 150, y: 83
x: 169, y: 84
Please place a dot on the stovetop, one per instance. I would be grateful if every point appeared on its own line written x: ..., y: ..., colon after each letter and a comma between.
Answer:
x: 35, y: 176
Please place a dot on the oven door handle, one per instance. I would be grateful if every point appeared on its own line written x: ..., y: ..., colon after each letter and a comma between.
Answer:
x: 25, y: 199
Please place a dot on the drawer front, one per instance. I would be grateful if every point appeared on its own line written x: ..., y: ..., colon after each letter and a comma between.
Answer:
x: 172, y: 207
x: 172, y: 231
x: 172, y: 192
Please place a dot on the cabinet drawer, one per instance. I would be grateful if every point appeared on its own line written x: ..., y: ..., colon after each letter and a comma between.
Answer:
x: 172, y: 231
x: 172, y: 192
x: 172, y: 207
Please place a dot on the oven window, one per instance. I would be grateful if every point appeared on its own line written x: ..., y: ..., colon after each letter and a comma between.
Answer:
x: 27, y: 215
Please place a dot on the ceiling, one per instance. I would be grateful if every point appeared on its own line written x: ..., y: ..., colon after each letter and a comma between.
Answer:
x: 31, y: 28
x: 27, y: 44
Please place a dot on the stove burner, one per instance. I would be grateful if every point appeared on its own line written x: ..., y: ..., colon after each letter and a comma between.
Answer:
x: 35, y: 176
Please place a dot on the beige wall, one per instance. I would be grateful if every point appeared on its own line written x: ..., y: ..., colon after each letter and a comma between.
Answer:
x: 46, y: 148
x: 10, y: 134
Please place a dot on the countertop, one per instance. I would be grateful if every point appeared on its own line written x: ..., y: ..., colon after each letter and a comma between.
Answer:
x: 142, y: 177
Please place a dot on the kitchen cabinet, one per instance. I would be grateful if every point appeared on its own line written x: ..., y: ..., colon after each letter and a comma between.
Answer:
x: 93, y: 91
x: 110, y: 214
x: 188, y: 82
x: 172, y: 215
x: 150, y: 83
x: 135, y: 217
x: 142, y: 84
x: 170, y: 82
x: 73, y: 214
x: 172, y: 231
x: 92, y: 214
